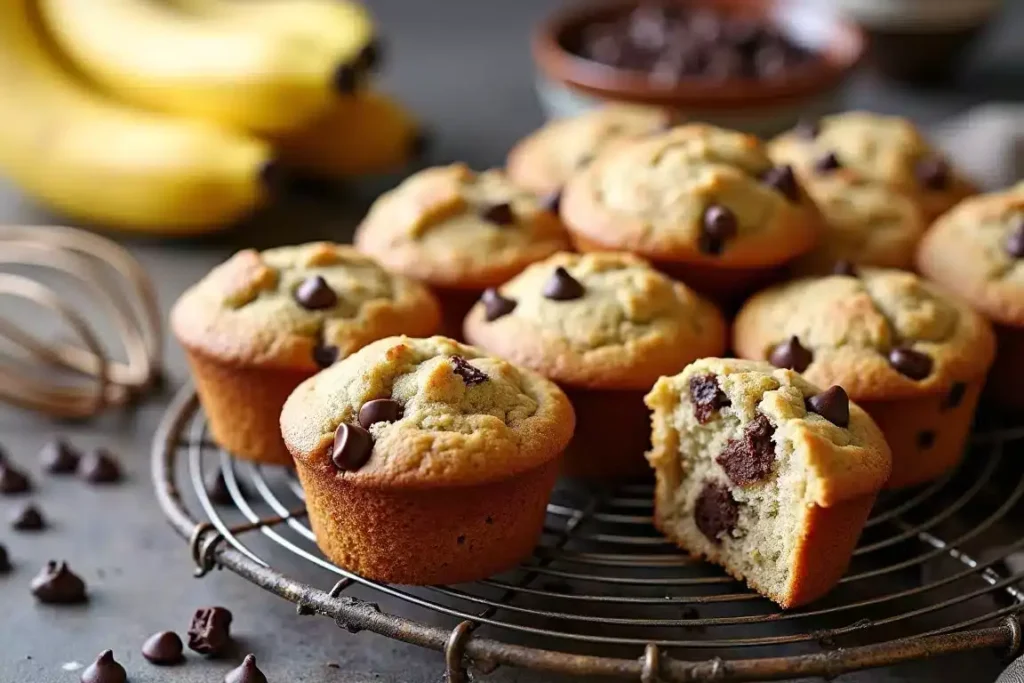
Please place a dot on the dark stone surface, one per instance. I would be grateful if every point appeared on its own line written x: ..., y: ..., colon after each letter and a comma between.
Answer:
x: 465, y: 68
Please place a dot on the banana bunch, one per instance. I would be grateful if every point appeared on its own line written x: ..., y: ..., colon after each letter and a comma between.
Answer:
x: 171, y: 116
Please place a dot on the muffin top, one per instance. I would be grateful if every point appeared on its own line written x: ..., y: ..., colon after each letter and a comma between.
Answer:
x: 425, y: 413
x: 546, y: 159
x: 451, y: 227
x: 880, y: 334
x: 885, y: 149
x: 299, y: 308
x: 866, y: 223
x: 977, y: 251
x: 603, y: 320
x: 692, y: 193
x: 843, y: 451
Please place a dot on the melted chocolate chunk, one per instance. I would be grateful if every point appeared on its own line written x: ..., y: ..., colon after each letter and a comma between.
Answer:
x: 379, y: 410
x: 56, y: 584
x: 955, y: 396
x: 791, y: 354
x: 210, y: 631
x: 353, y: 446
x: 495, y: 305
x: 246, y: 672
x: 833, y: 404
x: 58, y: 457
x: 470, y: 375
x: 783, y: 180
x: 104, y: 670
x: 829, y: 162
x: 911, y: 363
x: 314, y: 294
x: 933, y: 173
x: 164, y: 649
x: 718, y: 226
x: 749, y: 459
x: 707, y: 397
x: 715, y: 511
x: 499, y: 214
x: 562, y: 286
x: 926, y: 439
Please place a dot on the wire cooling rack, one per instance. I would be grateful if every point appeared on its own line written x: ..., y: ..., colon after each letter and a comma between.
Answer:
x: 938, y: 570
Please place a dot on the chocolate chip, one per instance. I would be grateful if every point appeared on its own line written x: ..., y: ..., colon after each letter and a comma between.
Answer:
x: 829, y: 162
x: 808, y: 129
x: 99, y: 466
x: 13, y: 480
x: 470, y: 375
x: 749, y: 459
x: 370, y: 56
x: 715, y: 511
x: 5, y: 560
x: 926, y: 439
x: 210, y: 631
x: 552, y: 203
x: 910, y: 363
x: 379, y: 410
x: 783, y: 180
x: 832, y: 404
x: 217, y: 488
x: 164, y: 649
x: 28, y: 518
x: 791, y: 354
x: 247, y: 672
x: 707, y: 397
x: 104, y: 670
x: 1014, y: 242
x: 844, y: 267
x: 325, y: 355
x: 346, y: 79
x: 314, y: 294
x: 955, y: 396
x: 562, y: 286
x: 718, y: 225
x: 933, y: 173
x: 58, y: 457
x: 57, y: 585
x: 420, y: 143
x: 499, y: 214
x: 495, y: 305
x: 353, y: 446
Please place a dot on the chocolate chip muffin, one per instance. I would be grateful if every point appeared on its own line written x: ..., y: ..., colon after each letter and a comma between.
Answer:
x: 262, y: 322
x: 704, y: 204
x: 884, y: 149
x: 604, y: 327
x: 911, y: 355
x: 977, y: 251
x: 425, y: 461
x: 459, y: 232
x: 545, y: 160
x: 762, y: 472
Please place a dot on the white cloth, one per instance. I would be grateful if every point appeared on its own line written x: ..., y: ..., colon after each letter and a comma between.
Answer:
x: 986, y: 144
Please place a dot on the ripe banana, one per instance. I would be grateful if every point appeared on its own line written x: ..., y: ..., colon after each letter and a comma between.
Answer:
x: 97, y: 161
x: 366, y: 133
x: 155, y: 55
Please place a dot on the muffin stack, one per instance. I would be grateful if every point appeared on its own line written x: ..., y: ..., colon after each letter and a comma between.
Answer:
x: 425, y: 460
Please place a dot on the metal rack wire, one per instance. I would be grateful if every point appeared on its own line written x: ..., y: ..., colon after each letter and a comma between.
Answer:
x: 606, y: 595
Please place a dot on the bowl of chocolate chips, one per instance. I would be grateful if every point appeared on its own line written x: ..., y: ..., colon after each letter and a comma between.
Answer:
x: 752, y: 65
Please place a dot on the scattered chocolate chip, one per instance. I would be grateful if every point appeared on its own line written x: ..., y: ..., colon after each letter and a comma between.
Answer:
x: 926, y: 439
x: 247, y: 672
x: 370, y: 56
x: 353, y: 447
x: 58, y: 457
x: 217, y: 487
x: 5, y: 560
x: 210, y: 631
x: 164, y: 649
x: 314, y: 294
x: 749, y: 459
x: 833, y: 404
x: 104, y: 670
x: 420, y: 143
x: 715, y: 511
x: 807, y: 129
x: 844, y: 267
x: 553, y: 202
x: 28, y: 518
x: 379, y: 410
x: 346, y: 79
x: 718, y: 225
x: 13, y: 480
x: 913, y: 364
x: 933, y: 173
x: 829, y: 162
x: 706, y: 396
x: 99, y: 466
x: 499, y: 214
x: 325, y: 355
x: 783, y: 180
x: 495, y: 305
x: 791, y: 354
x: 562, y: 286
x: 57, y: 585
x: 955, y: 396
x: 470, y: 375
x: 1014, y: 243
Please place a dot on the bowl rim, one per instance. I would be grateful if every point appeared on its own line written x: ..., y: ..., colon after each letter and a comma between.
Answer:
x: 844, y: 52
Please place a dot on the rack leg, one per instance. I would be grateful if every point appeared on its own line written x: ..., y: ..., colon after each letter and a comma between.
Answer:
x: 455, y: 669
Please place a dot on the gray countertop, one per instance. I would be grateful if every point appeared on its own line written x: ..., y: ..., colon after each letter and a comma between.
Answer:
x: 464, y: 66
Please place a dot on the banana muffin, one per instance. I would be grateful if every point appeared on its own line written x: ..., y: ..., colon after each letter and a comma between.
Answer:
x: 459, y: 232
x: 425, y: 461
x: 262, y: 322
x: 705, y: 205
x: 545, y: 160
x: 763, y: 473
x: 912, y: 356
x: 604, y: 327
x: 977, y: 251
x: 884, y: 149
